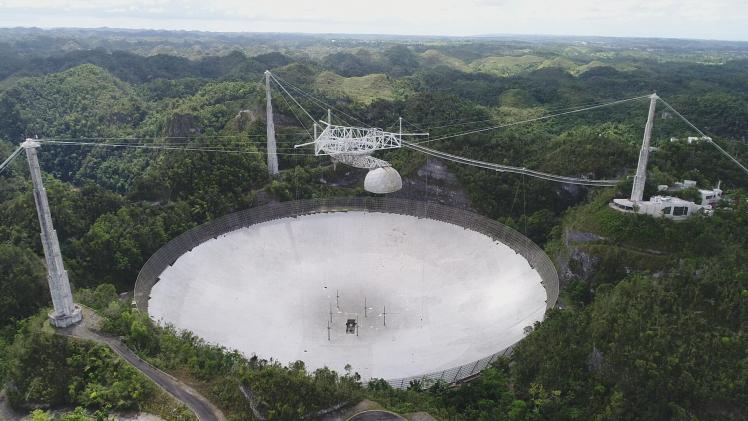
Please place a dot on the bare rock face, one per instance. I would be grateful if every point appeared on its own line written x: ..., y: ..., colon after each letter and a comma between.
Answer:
x: 434, y: 182
x: 581, y: 265
x: 574, y: 236
x: 183, y: 125
x: 245, y: 118
x: 576, y: 262
x: 595, y: 360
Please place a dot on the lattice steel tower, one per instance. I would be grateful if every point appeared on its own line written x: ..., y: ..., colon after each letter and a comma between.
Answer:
x: 65, y: 312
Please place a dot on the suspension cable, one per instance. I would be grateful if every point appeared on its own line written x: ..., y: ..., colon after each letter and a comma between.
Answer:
x: 482, y: 164
x: 544, y: 117
x: 511, y: 169
x: 300, y: 106
x: 162, y: 147
x: 174, y: 144
x: 10, y: 158
x: 297, y: 117
x: 185, y: 138
x: 705, y: 137
x: 411, y: 124
x: 317, y: 100
x: 291, y: 96
x: 547, y: 110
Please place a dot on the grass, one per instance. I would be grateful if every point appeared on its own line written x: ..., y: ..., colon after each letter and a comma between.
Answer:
x: 166, y: 407
x: 560, y: 62
x: 364, y: 89
x: 437, y: 58
x: 635, y: 260
x: 217, y: 392
x: 518, y: 98
x: 507, y: 65
x: 587, y: 217
x: 160, y: 403
x: 616, y: 252
x: 591, y: 65
x: 513, y: 65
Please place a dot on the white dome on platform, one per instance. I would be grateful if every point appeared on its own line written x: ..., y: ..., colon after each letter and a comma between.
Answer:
x: 383, y: 180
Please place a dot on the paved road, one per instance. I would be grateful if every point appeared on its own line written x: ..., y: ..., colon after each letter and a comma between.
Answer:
x: 204, y: 410
x: 376, y: 415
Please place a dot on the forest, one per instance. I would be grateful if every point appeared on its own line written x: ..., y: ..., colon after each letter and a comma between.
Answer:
x: 654, y: 315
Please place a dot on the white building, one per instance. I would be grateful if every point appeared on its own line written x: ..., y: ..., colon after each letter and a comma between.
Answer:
x: 711, y: 197
x: 660, y: 206
x: 672, y: 207
x: 708, y: 197
x: 682, y: 185
x: 663, y: 206
x: 691, y: 139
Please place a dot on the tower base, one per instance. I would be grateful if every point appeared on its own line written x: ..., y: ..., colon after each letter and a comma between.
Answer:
x: 66, y: 320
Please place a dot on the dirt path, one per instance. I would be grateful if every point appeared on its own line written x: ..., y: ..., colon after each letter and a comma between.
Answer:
x: 204, y: 410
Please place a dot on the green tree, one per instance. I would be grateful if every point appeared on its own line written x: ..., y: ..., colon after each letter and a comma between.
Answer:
x: 23, y: 286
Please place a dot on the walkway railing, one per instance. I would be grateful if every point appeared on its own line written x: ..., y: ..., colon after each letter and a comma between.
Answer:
x: 168, y: 254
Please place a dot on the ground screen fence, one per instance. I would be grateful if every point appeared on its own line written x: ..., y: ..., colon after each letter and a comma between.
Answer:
x: 168, y: 254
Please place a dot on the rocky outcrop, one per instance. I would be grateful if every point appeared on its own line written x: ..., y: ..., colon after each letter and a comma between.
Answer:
x: 573, y: 261
x: 434, y: 182
x: 183, y: 125
x: 245, y: 118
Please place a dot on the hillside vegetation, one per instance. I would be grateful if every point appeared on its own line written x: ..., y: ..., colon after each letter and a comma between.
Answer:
x: 655, y: 312
x: 364, y: 89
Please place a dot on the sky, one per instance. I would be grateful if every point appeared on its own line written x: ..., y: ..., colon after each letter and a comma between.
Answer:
x: 702, y: 19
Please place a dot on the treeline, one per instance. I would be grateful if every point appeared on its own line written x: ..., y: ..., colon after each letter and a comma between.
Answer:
x: 644, y: 341
x: 41, y: 369
x: 635, y: 317
x: 631, y: 343
x: 140, y: 69
x: 233, y: 381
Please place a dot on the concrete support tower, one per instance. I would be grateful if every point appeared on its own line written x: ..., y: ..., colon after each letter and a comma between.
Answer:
x: 65, y: 313
x: 637, y: 191
x: 272, y: 152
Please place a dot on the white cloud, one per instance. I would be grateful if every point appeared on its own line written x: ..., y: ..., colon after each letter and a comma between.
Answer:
x: 724, y: 19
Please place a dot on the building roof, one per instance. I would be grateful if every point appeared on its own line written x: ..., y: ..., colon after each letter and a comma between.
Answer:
x: 670, y: 200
